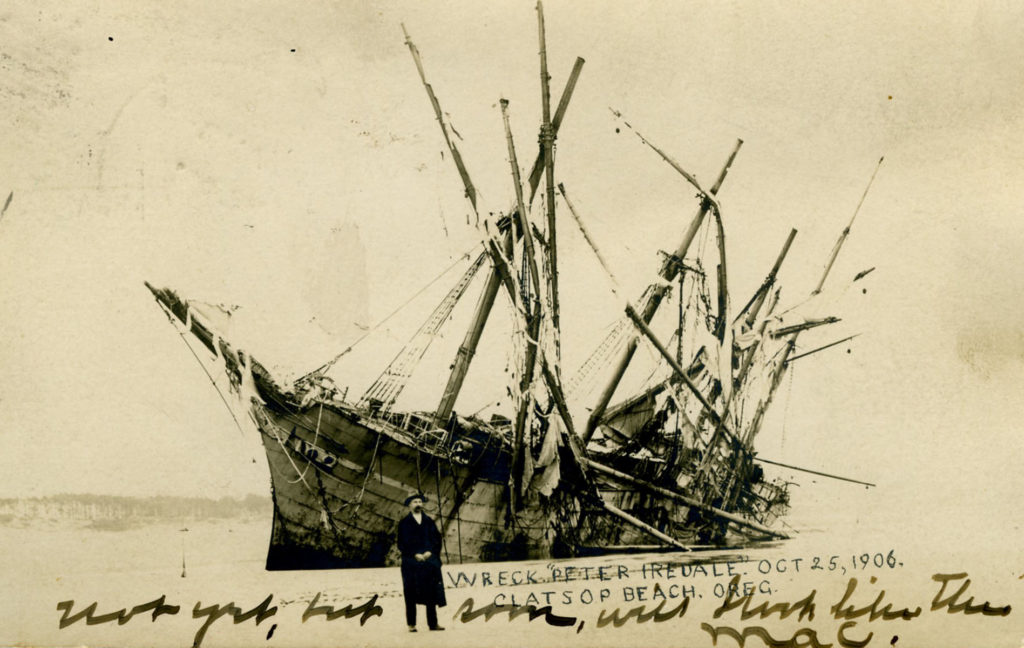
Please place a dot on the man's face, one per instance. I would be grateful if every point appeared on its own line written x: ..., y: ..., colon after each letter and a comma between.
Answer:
x: 415, y: 505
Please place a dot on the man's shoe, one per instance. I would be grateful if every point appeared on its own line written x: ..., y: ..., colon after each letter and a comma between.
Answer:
x: 437, y: 628
x: 412, y: 628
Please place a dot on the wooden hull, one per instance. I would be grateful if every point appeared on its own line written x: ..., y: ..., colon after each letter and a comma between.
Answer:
x: 340, y: 479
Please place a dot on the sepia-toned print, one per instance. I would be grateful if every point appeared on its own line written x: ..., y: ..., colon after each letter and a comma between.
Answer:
x: 500, y: 324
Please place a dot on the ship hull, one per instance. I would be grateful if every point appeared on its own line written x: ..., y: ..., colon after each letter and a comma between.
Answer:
x: 340, y: 478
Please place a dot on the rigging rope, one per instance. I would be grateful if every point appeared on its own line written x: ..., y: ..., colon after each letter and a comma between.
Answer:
x: 582, y: 381
x: 324, y: 368
x: 205, y: 370
x: 366, y: 477
x: 393, y: 379
x: 273, y: 428
x: 325, y: 514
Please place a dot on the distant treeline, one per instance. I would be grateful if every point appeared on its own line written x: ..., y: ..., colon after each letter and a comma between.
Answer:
x: 115, y: 507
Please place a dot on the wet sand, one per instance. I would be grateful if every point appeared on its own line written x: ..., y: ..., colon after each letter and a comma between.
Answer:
x: 48, y: 562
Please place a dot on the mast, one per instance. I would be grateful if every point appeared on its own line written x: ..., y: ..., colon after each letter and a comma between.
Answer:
x: 653, y: 298
x: 679, y: 497
x: 533, y: 317
x: 757, y: 301
x: 783, y: 361
x: 524, y: 224
x: 586, y: 236
x: 723, y: 289
x: 822, y: 348
x: 846, y: 231
x: 464, y: 356
x: 456, y: 156
x: 753, y: 307
x: 547, y: 141
x: 709, y: 409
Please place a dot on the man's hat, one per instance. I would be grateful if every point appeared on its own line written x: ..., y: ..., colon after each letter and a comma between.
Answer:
x: 415, y: 495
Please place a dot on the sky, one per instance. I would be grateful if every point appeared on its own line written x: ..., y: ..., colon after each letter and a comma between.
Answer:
x: 286, y: 161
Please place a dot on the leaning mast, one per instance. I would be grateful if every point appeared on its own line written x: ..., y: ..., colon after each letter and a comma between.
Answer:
x: 655, y: 294
x: 780, y: 369
x: 543, y: 163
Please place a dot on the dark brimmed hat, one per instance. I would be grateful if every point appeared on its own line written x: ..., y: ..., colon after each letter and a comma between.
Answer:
x: 413, y: 496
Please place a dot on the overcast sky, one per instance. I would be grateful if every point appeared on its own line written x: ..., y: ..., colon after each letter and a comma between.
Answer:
x: 285, y: 159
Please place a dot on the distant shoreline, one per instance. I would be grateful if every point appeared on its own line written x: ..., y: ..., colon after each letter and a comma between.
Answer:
x: 118, y: 512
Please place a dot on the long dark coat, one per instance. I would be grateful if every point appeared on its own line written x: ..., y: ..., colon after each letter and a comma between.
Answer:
x: 421, y: 581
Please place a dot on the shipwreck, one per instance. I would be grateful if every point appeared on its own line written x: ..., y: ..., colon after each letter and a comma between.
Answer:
x: 671, y: 466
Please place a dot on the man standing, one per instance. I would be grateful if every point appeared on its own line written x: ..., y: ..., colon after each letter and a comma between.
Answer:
x: 420, y: 544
